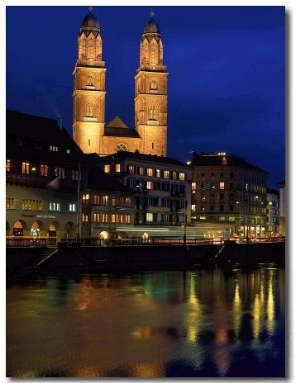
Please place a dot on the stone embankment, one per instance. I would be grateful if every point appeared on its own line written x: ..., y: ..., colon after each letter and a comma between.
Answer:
x: 66, y: 260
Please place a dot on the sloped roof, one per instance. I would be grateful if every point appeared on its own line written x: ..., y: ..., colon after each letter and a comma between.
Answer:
x: 224, y: 160
x: 123, y: 155
x: 31, y: 135
x: 117, y: 128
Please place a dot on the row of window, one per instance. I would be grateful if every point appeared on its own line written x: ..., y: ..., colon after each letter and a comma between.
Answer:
x: 105, y: 200
x: 214, y: 175
x: 106, y: 218
x: 141, y: 185
x: 146, y: 171
x: 42, y: 170
x: 159, y: 217
x: 250, y: 177
x: 36, y: 205
x: 232, y: 208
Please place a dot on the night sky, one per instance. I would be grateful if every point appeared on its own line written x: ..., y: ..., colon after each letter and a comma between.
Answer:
x: 226, y: 69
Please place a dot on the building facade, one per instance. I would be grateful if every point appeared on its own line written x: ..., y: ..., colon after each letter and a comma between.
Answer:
x: 54, y: 192
x: 229, y: 196
x: 90, y: 131
x: 164, y: 191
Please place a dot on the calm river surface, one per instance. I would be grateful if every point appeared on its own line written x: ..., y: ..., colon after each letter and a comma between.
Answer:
x: 202, y: 323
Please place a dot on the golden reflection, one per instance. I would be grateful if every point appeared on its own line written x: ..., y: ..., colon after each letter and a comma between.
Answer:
x: 237, y: 309
x: 256, y: 316
x: 194, y: 314
x: 258, y: 310
x: 271, y: 306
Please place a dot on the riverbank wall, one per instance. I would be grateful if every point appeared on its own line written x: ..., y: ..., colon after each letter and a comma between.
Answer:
x: 69, y: 259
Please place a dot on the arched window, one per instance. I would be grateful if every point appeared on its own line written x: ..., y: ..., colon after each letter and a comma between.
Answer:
x: 152, y: 113
x: 90, y: 80
x: 153, y: 85
x: 89, y: 109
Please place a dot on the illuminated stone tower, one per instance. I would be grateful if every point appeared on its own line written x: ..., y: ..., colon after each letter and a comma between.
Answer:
x: 89, y: 88
x: 151, y: 92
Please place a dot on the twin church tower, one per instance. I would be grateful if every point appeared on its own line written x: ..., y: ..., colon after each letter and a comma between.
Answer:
x: 90, y: 132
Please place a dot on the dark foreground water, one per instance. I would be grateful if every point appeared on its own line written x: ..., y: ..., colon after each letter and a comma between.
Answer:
x: 203, y: 323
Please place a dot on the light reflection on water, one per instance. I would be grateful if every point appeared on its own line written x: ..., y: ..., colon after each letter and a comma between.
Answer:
x: 155, y: 324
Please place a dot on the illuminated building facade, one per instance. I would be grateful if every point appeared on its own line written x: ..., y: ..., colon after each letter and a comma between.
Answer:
x: 164, y: 190
x: 229, y: 196
x: 90, y: 132
x: 54, y: 191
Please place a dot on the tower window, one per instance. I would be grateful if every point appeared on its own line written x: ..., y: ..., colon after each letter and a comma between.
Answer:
x: 90, y: 81
x: 89, y: 109
x: 152, y: 113
x: 153, y: 85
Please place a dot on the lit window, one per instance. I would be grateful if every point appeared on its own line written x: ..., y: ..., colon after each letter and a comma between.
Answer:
x: 25, y: 167
x: 158, y: 173
x: 131, y: 169
x: 8, y: 166
x: 44, y: 170
x: 96, y: 199
x: 149, y: 185
x: 54, y: 206
x: 182, y: 176
x: 106, y: 168
x: 72, y: 207
x: 105, y: 200
x: 117, y: 168
x: 84, y: 217
x: 166, y: 174
x: 96, y: 217
x: 104, y: 217
x: 149, y: 172
x: 141, y: 171
x: 11, y: 203
x: 149, y: 217
x: 85, y: 199
x: 222, y: 185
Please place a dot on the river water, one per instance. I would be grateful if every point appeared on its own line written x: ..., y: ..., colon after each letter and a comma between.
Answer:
x: 202, y: 323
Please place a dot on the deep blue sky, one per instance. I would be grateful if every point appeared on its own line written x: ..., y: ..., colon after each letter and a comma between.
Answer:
x: 226, y: 73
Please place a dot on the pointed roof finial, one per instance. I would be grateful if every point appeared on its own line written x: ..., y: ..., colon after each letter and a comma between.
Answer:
x: 90, y: 9
x: 151, y: 13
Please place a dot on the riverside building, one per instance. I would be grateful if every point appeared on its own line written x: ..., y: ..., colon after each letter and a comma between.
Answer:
x: 54, y: 192
x: 229, y: 196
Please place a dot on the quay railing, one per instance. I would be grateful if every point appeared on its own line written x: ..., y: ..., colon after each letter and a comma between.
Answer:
x: 22, y: 241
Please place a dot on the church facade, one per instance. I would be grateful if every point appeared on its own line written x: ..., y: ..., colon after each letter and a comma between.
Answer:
x: 90, y: 130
